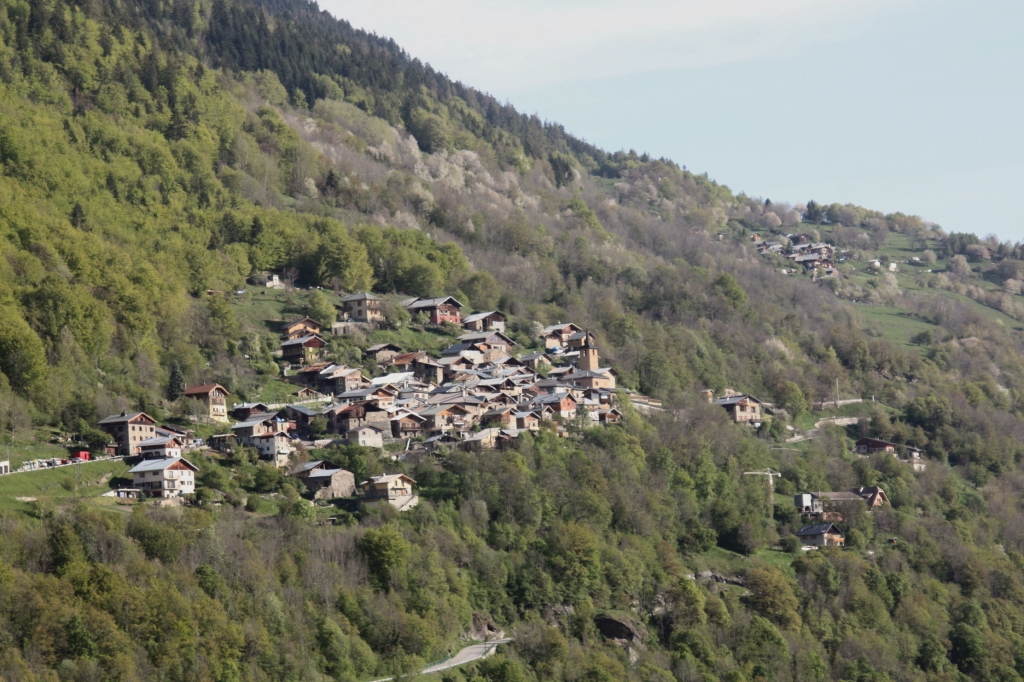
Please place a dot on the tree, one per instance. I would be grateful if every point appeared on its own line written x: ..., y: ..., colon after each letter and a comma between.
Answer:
x: 268, y: 479
x: 176, y: 383
x: 792, y: 399
x: 482, y: 289
x: 22, y: 357
x: 958, y: 267
x: 732, y: 290
x: 969, y: 647
x: 77, y: 216
x: 697, y: 538
x: 385, y: 550
x: 928, y: 257
x: 343, y: 258
x: 925, y: 338
x: 688, y: 603
x: 772, y: 596
x: 320, y: 308
x: 770, y: 220
x: 318, y: 425
x: 395, y: 315
x: 158, y: 540
x: 80, y: 639
x: 814, y: 212
x: 222, y: 317
x: 430, y: 130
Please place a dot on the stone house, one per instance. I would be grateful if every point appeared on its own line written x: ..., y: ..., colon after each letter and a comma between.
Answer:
x: 382, y: 353
x: 329, y: 484
x: 128, y: 430
x: 366, y: 435
x: 408, y: 425
x: 481, y: 322
x: 362, y: 308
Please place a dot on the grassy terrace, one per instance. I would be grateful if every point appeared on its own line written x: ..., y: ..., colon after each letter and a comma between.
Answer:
x: 26, y: 446
x: 61, y: 485
x: 729, y: 563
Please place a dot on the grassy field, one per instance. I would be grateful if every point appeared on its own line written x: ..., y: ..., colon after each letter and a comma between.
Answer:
x: 896, y: 324
x: 411, y: 339
x: 276, y: 391
x: 61, y: 485
x: 263, y: 308
x: 730, y: 563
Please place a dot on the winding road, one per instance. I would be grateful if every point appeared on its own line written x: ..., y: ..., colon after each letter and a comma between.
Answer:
x: 473, y: 652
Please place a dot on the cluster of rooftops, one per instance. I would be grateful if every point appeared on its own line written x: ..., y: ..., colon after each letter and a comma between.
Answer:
x: 808, y: 255
x: 477, y: 392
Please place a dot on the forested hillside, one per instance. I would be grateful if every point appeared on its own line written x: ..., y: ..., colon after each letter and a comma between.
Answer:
x: 156, y: 156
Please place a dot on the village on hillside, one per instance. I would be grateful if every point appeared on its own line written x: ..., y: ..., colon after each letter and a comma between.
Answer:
x: 477, y: 394
x: 480, y: 393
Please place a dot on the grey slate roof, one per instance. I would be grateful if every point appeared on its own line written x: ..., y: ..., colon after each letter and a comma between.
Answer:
x: 123, y: 417
x: 478, y: 316
x: 302, y: 340
x: 160, y: 465
x: 306, y: 466
x: 818, y: 529
x: 418, y: 303
x: 732, y: 400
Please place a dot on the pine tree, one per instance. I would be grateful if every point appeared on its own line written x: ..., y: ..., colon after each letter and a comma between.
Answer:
x: 176, y: 384
x: 77, y: 217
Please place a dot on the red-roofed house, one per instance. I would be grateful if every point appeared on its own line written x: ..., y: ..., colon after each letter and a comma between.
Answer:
x: 214, y: 399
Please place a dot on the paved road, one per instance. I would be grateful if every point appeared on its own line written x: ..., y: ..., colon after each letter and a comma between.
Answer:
x: 473, y: 652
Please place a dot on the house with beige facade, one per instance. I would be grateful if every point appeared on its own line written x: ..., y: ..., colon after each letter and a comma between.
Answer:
x: 362, y: 308
x: 214, y: 400
x: 393, y: 489
x: 160, y: 448
x: 165, y: 478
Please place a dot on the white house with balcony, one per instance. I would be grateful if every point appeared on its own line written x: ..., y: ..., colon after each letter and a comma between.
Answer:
x: 168, y: 477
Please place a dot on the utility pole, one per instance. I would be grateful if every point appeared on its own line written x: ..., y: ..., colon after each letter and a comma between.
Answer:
x: 772, y: 475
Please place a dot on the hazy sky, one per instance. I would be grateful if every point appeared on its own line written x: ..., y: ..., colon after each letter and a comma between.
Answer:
x: 898, y: 105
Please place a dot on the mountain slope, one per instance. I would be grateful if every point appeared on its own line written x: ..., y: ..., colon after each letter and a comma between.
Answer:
x: 156, y: 155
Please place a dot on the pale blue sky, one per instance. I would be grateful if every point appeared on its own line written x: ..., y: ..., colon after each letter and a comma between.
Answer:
x: 908, y: 105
